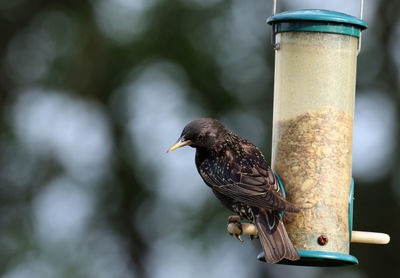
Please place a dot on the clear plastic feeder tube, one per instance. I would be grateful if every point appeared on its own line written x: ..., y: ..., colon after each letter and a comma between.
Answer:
x: 315, y: 75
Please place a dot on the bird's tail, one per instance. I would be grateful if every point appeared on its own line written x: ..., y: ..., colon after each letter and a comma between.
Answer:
x: 273, y: 237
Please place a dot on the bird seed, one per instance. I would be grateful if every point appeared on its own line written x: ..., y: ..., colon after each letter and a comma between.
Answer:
x: 313, y: 159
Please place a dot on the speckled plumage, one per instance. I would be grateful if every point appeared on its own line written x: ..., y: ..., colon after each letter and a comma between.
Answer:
x: 242, y: 180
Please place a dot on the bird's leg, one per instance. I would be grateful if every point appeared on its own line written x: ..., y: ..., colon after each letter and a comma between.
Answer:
x: 253, y: 236
x: 235, y: 219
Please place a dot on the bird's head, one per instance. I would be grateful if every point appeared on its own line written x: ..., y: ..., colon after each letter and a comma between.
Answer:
x: 203, y: 133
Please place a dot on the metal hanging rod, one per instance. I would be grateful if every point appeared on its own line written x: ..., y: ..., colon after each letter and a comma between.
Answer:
x: 361, y: 8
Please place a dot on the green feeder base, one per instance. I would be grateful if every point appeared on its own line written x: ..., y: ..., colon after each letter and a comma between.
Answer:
x: 318, y: 258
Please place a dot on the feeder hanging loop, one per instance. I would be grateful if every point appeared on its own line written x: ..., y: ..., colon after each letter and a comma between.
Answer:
x: 361, y: 17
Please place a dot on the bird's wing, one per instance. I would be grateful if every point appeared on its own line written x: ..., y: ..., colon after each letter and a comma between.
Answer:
x: 254, y: 185
x: 253, y: 190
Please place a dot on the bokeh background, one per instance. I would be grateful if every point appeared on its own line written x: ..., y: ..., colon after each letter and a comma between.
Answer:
x: 92, y: 93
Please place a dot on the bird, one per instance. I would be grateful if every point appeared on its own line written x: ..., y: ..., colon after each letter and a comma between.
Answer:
x: 242, y: 180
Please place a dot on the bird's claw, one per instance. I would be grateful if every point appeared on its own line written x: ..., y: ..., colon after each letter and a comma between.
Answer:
x: 239, y: 238
x: 235, y: 220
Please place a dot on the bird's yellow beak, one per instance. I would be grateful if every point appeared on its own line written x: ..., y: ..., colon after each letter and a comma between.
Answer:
x: 180, y: 143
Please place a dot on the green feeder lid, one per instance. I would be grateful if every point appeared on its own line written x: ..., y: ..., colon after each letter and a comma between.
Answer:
x: 317, y: 21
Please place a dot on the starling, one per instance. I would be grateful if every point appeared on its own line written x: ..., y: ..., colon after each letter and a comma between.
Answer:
x: 242, y: 180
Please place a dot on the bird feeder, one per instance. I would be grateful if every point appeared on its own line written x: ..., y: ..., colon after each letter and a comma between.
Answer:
x: 315, y: 76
